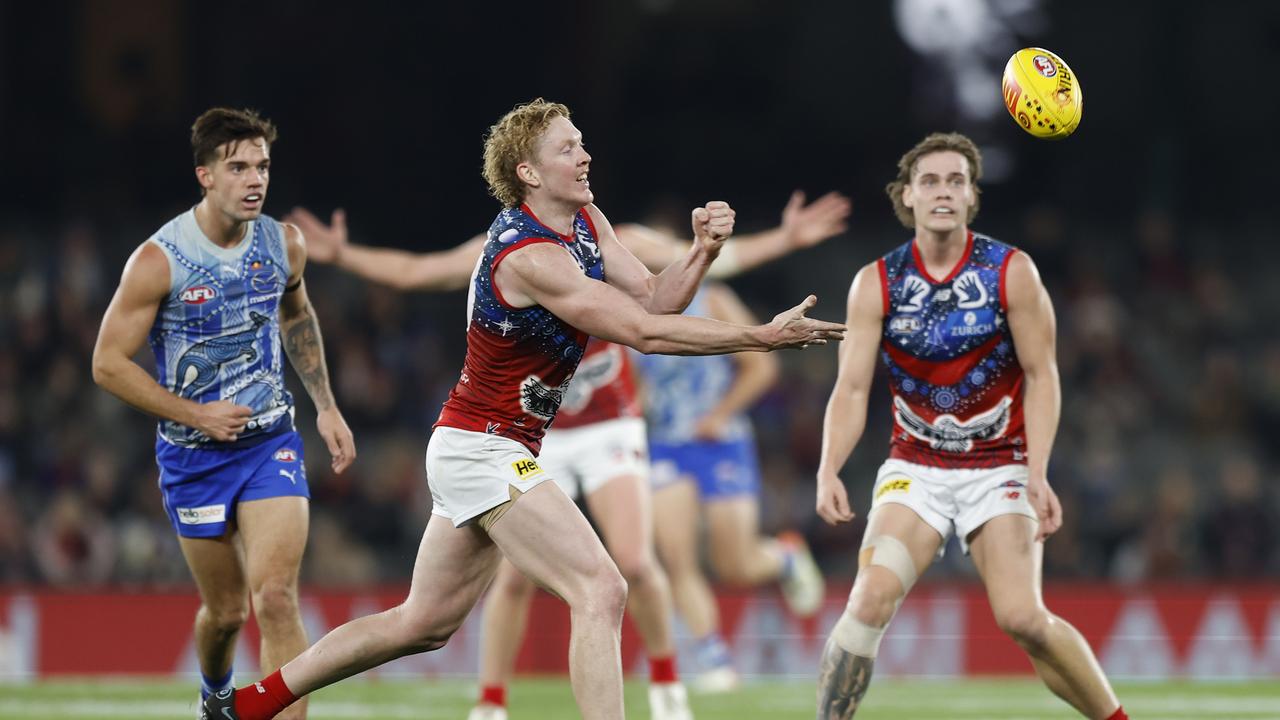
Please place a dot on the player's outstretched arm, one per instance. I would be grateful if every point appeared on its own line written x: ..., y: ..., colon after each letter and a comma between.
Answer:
x: 671, y: 290
x: 300, y: 334
x: 802, y: 226
x: 846, y: 416
x: 439, y: 271
x: 544, y: 274
x: 128, y: 319
x: 1034, y: 330
x: 756, y: 372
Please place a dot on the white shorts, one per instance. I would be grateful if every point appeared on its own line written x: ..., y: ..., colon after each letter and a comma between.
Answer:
x: 468, y: 472
x: 954, y: 499
x: 584, y: 458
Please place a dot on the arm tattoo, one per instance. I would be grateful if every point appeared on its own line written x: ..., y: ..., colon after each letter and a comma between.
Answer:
x: 842, y: 681
x: 306, y: 353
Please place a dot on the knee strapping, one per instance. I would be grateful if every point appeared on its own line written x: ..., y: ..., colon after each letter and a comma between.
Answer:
x: 856, y: 637
x: 889, y: 553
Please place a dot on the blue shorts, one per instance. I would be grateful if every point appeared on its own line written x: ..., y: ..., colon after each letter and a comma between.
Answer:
x: 721, y: 469
x: 201, y: 487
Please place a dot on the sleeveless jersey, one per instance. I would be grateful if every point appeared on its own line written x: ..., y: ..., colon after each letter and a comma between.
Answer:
x: 519, y: 360
x: 681, y: 389
x: 217, y: 333
x: 955, y: 380
x: 603, y: 388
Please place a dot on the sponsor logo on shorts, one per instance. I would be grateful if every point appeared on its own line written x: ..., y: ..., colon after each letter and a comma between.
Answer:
x: 1013, y: 495
x: 202, y: 515
x: 895, y: 485
x: 285, y: 455
x: 526, y: 468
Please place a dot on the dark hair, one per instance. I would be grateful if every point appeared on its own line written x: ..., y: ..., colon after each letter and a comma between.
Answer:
x: 221, y: 125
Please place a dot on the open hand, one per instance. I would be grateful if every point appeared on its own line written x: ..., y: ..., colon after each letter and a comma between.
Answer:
x: 325, y: 243
x: 808, y: 225
x: 792, y: 329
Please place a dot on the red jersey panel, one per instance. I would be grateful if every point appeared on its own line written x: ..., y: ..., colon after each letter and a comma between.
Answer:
x: 603, y: 388
x: 519, y: 360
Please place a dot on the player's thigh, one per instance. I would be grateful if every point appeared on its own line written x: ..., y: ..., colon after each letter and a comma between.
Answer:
x: 510, y: 581
x: 622, y: 509
x: 902, y: 523
x: 894, y: 530
x: 453, y: 567
x: 217, y: 566
x: 547, y: 538
x: 733, y: 527
x: 1009, y: 562
x: 676, y: 508
x: 274, y: 532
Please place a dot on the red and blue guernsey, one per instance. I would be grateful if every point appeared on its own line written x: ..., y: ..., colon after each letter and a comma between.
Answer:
x: 519, y: 360
x: 956, y: 381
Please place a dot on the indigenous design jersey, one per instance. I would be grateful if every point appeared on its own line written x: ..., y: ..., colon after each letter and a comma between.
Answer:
x: 603, y: 388
x: 956, y: 382
x: 681, y: 389
x: 217, y: 333
x: 519, y: 360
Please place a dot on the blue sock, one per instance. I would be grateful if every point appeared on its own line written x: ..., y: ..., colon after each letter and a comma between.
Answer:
x: 712, y: 652
x: 209, y: 686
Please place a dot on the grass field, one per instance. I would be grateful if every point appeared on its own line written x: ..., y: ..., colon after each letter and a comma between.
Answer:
x: 551, y: 698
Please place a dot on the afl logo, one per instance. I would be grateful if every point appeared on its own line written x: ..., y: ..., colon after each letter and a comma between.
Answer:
x: 905, y: 325
x: 1044, y: 66
x: 198, y: 295
x: 285, y: 455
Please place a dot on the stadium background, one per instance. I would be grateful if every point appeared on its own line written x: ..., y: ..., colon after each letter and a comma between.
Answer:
x: 1153, y: 227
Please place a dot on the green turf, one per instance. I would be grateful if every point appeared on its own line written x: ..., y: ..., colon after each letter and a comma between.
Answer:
x: 551, y: 698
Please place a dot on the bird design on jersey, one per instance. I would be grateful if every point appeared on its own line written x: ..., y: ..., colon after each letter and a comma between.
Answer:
x: 207, y: 358
x: 948, y: 434
x: 538, y: 398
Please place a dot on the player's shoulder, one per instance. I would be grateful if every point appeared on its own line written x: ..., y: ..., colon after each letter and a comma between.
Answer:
x: 988, y: 250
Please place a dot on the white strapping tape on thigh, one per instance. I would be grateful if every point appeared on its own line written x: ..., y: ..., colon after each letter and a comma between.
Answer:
x: 856, y: 637
x: 888, y: 552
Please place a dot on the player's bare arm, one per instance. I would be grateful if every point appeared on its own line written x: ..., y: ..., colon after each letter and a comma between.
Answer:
x: 1034, y: 329
x: 755, y: 372
x: 143, y: 285
x: 440, y: 271
x: 544, y: 274
x: 300, y: 334
x: 802, y: 226
x: 846, y: 416
x: 671, y: 290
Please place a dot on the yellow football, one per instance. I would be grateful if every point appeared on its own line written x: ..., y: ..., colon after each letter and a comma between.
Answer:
x: 1042, y: 93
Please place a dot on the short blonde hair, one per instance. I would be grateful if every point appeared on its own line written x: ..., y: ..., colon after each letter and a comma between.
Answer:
x: 937, y: 142
x: 513, y: 140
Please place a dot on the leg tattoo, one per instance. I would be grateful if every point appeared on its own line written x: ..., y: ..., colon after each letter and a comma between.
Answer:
x: 842, y: 681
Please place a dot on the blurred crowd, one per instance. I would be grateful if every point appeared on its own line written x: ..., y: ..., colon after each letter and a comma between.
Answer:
x: 1165, y: 459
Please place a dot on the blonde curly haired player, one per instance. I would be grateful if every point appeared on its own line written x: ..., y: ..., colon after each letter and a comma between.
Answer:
x: 536, y: 294
x: 597, y: 449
